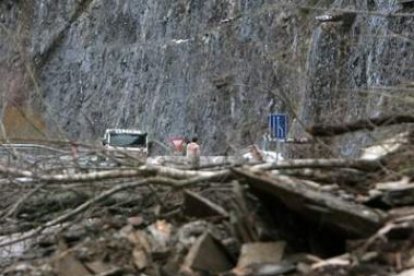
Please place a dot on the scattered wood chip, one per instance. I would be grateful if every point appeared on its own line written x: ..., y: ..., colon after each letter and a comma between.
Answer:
x: 261, y: 253
x: 66, y: 264
x: 208, y: 254
x: 343, y: 260
x: 135, y: 221
x: 98, y: 267
x: 160, y: 233
x: 140, y: 258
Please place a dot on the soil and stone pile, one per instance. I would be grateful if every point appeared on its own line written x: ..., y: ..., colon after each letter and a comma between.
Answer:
x: 290, y: 217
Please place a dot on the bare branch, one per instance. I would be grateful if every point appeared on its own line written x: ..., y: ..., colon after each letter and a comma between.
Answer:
x: 321, y: 163
x: 81, y: 208
x: 15, y: 208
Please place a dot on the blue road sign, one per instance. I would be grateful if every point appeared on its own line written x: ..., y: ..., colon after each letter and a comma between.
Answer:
x: 278, y: 126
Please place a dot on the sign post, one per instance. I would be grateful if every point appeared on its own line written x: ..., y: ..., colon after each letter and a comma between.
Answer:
x: 278, y: 130
x: 278, y: 126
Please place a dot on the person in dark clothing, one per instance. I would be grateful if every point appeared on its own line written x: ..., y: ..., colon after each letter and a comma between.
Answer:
x: 185, y: 144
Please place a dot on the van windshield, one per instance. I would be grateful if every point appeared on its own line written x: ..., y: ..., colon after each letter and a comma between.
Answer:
x: 127, y: 140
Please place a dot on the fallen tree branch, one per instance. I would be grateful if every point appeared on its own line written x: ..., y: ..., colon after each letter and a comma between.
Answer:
x: 364, y: 124
x: 382, y: 232
x: 16, y: 206
x: 321, y: 163
x: 108, y: 174
x: 184, y: 174
x: 346, y: 176
x: 177, y: 184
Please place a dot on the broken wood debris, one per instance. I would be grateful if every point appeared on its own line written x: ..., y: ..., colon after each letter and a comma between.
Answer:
x: 321, y: 163
x: 208, y: 254
x: 260, y: 253
x: 197, y: 206
x: 168, y: 225
x: 351, y: 218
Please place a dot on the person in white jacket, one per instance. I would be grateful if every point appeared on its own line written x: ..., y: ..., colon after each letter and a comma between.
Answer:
x: 193, y: 153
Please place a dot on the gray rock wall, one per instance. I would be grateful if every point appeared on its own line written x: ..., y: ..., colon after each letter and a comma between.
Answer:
x: 358, y: 69
x: 212, y: 68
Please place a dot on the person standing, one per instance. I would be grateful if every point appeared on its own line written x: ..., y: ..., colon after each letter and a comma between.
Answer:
x: 193, y: 153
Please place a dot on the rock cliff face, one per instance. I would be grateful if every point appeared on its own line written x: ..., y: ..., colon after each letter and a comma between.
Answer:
x: 212, y: 68
x: 360, y: 67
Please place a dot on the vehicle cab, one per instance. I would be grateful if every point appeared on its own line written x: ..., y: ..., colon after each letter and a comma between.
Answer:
x: 130, y: 141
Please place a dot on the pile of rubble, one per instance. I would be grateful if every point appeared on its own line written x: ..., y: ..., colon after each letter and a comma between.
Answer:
x: 290, y: 217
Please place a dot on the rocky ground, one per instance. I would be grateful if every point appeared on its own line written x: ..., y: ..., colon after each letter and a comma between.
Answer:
x: 84, y: 213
